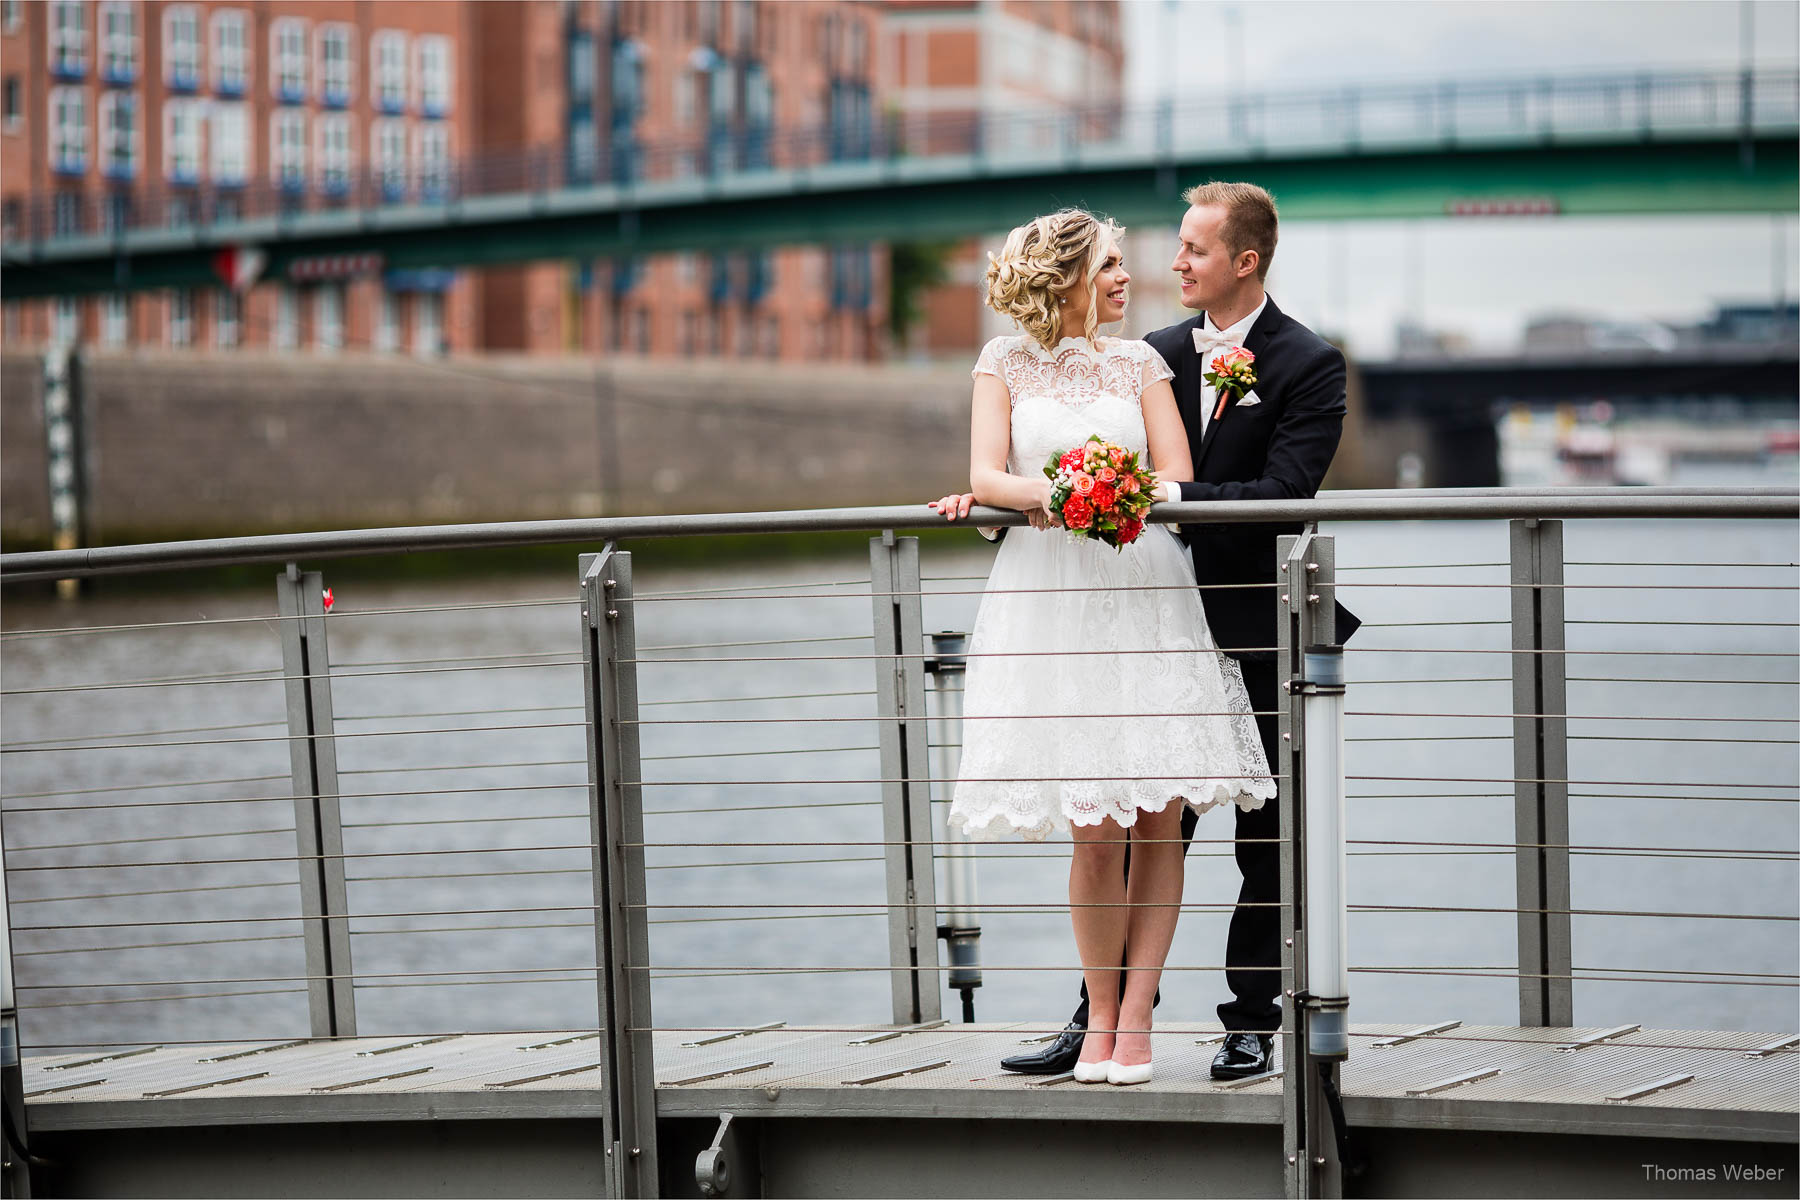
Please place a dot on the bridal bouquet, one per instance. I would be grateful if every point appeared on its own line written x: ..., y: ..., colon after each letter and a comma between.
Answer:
x: 1100, y: 491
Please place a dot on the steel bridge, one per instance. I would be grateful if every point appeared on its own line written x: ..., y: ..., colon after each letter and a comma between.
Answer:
x: 1639, y: 142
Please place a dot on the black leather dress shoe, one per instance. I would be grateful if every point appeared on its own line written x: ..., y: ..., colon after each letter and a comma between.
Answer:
x: 1243, y: 1055
x: 1059, y: 1056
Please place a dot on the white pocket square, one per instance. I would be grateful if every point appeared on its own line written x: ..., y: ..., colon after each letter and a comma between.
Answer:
x: 1249, y: 398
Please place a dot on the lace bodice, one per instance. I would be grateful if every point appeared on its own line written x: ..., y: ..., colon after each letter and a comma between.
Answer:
x: 1062, y: 395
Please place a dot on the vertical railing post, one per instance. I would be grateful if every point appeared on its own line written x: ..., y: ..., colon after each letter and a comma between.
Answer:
x: 1307, y: 618
x: 616, y: 833
x: 318, y: 824
x: 906, y: 777
x: 1541, y: 771
x: 15, y: 1147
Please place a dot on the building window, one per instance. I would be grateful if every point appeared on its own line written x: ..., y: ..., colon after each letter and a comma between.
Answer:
x: 115, y: 320
x: 10, y: 227
x: 287, y: 318
x: 227, y: 207
x: 287, y: 135
x: 116, y: 215
x: 118, y: 135
x: 387, y: 322
x: 230, y: 143
x: 228, y: 319
x: 181, y: 47
x: 334, y: 153
x: 181, y: 317
x: 287, y: 55
x: 328, y: 317
x: 387, y: 51
x: 336, y: 72
x: 118, y: 41
x: 12, y: 12
x: 181, y: 140
x: 9, y: 102
x: 178, y: 211
x: 230, y: 53
x: 434, y: 162
x: 68, y: 38
x: 428, y: 324
x: 68, y: 130
x: 434, y: 75
x: 65, y: 214
x: 581, y: 67
x: 387, y: 144
x: 65, y: 321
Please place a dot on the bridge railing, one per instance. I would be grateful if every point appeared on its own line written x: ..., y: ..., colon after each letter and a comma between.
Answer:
x: 358, y: 813
x: 1648, y: 105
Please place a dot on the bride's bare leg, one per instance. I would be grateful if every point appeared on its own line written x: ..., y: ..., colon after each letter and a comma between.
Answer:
x: 1154, y: 896
x: 1096, y: 885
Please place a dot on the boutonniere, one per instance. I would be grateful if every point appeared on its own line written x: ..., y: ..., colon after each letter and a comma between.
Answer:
x: 1233, y: 373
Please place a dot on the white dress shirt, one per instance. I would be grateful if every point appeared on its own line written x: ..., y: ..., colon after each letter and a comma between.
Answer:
x: 1216, y: 342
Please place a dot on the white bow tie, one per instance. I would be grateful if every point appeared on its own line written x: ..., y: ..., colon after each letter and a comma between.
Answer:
x: 1212, y: 339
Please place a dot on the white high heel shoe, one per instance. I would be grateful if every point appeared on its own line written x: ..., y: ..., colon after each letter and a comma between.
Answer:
x: 1118, y: 1073
x: 1098, y: 1072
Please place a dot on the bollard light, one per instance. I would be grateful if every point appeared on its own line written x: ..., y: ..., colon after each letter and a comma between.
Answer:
x: 1327, y: 970
x: 961, y: 930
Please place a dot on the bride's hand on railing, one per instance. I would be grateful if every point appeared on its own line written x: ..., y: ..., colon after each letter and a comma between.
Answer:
x: 953, y: 507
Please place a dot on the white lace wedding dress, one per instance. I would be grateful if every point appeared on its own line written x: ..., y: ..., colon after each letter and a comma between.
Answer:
x: 1068, y: 628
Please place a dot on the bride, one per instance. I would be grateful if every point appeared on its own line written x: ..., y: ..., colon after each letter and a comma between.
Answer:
x: 1096, y: 700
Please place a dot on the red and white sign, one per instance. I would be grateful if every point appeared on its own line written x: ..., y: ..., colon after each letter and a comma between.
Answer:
x: 239, y: 266
x: 334, y: 266
x: 1531, y: 207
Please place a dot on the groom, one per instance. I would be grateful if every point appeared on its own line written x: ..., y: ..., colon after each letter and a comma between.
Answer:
x: 1272, y: 442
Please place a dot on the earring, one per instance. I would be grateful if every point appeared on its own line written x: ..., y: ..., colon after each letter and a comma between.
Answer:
x: 1062, y: 300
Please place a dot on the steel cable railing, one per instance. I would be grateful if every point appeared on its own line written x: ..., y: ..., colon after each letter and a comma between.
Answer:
x: 711, y: 867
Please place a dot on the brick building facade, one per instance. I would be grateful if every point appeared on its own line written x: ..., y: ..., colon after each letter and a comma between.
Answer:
x: 947, y: 61
x: 126, y: 112
x: 145, y: 111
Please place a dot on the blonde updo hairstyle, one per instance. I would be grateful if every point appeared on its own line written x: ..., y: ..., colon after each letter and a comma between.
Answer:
x: 1051, y: 254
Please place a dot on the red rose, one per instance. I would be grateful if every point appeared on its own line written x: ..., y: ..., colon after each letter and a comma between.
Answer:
x: 1077, y: 513
x: 1129, y: 529
x: 1070, y: 461
x: 1104, y: 496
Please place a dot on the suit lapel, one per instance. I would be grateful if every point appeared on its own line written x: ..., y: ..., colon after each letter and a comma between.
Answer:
x: 1188, y: 398
x: 1254, y: 341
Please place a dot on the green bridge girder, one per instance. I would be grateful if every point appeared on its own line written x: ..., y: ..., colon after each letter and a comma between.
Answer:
x: 902, y: 199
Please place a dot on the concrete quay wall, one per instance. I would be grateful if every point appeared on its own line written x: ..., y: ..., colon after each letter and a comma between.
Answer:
x: 192, y: 445
x: 180, y: 445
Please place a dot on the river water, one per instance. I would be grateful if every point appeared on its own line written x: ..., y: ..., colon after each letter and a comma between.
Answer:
x: 153, y: 885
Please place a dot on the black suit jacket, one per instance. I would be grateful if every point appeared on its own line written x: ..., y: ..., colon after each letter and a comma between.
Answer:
x: 1278, y: 449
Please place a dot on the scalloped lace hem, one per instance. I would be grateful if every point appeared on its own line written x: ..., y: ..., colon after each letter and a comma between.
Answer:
x: 1198, y: 794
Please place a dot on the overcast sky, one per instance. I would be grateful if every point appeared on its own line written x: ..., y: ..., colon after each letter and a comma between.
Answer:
x: 1481, y: 278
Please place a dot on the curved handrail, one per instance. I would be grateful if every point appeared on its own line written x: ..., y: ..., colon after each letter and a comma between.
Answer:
x: 1439, y: 504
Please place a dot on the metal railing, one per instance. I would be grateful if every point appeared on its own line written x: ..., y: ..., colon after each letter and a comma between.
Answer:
x: 453, y: 846
x: 1465, y: 113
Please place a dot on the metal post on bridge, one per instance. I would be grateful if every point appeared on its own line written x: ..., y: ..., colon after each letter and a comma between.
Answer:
x: 616, y: 833
x: 318, y: 824
x: 906, y: 778
x: 1540, y: 772
x: 1315, y: 1033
